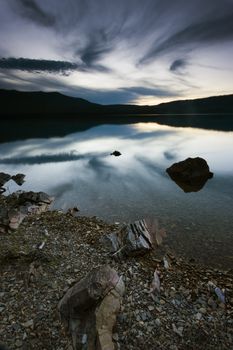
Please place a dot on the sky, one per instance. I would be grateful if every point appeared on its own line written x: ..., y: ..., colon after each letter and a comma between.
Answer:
x: 118, y: 51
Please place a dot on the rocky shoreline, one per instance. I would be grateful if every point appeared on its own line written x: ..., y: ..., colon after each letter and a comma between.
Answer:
x: 49, y: 252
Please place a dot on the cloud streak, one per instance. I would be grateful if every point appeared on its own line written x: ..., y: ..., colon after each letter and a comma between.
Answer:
x: 178, y: 65
x: 36, y: 65
x: 49, y: 66
x: 32, y: 11
x: 199, y: 33
x: 126, y: 50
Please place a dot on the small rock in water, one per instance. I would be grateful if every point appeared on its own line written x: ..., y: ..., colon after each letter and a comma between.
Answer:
x: 116, y: 153
x: 18, y: 179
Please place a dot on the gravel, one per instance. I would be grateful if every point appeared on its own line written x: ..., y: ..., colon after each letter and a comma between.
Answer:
x: 185, y: 315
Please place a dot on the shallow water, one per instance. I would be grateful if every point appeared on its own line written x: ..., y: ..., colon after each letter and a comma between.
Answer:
x: 78, y: 170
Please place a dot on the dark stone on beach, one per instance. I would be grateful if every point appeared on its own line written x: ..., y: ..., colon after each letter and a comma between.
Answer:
x: 19, y: 205
x: 116, y: 153
x: 73, y: 211
x: 137, y: 238
x: 89, y: 309
x: 35, y: 197
x: 190, y: 174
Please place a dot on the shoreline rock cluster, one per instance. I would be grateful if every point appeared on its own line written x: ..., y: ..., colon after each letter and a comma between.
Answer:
x: 184, y: 313
x: 71, y: 282
x: 19, y: 205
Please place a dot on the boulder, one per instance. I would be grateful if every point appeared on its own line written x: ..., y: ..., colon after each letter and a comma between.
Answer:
x: 135, y: 239
x: 4, y: 178
x: 89, y: 309
x: 34, y: 197
x: 18, y: 205
x: 190, y: 174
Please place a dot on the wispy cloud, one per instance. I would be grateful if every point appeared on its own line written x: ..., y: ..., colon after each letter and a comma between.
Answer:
x: 207, y: 31
x: 178, y: 65
x: 31, y: 10
x: 50, y: 66
x: 123, y: 49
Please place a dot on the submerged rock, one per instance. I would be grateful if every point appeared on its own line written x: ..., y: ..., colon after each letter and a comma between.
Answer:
x: 89, y: 309
x: 190, y: 174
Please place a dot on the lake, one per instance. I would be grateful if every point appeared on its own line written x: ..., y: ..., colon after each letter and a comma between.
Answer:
x: 72, y: 162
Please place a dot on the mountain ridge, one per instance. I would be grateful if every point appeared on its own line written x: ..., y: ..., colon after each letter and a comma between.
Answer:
x: 15, y: 102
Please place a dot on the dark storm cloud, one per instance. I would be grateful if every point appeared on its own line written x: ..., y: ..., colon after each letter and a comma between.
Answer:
x: 33, y: 65
x: 50, y: 66
x: 31, y: 10
x: 178, y: 65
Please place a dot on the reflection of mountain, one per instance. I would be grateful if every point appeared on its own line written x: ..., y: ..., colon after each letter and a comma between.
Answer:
x: 35, y: 115
x: 45, y: 128
x: 42, y: 159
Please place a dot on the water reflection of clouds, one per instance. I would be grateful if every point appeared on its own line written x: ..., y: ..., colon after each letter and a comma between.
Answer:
x: 84, y: 157
x: 42, y: 159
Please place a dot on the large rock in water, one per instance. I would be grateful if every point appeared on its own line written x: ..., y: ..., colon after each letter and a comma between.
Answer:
x: 190, y: 174
x: 89, y: 309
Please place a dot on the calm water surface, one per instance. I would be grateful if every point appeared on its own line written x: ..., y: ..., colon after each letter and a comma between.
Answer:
x: 78, y: 170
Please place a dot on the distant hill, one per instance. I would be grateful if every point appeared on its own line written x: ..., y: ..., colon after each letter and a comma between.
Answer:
x: 16, y: 102
x: 53, y: 103
x: 215, y: 104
